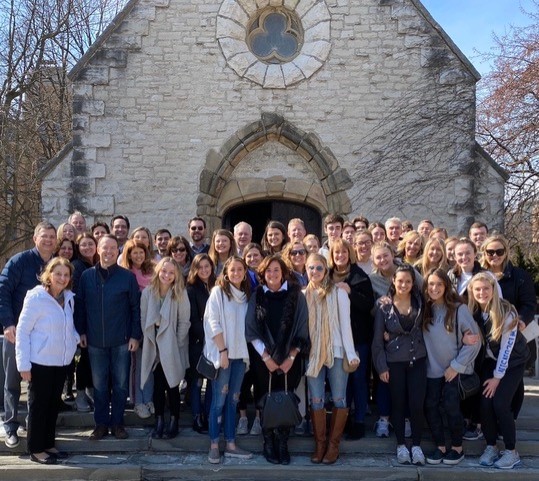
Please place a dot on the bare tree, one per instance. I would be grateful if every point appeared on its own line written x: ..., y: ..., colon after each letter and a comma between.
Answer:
x: 508, y: 124
x: 40, y: 40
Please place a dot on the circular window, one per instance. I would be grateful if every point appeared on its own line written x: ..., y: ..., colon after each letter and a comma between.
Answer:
x: 275, y: 35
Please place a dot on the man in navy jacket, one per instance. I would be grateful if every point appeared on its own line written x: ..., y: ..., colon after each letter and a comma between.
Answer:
x: 20, y: 274
x: 107, y: 316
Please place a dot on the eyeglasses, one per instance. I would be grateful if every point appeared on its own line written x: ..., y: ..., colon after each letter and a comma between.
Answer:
x: 300, y: 252
x: 316, y: 268
x: 491, y: 252
x: 197, y: 227
x: 178, y: 249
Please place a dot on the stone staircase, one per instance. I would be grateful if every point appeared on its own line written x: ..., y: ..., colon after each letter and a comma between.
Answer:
x: 141, y: 458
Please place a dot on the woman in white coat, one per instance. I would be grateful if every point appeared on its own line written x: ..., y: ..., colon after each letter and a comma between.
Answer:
x: 165, y: 312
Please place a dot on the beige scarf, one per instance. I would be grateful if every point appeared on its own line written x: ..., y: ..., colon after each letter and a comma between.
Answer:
x: 320, y: 328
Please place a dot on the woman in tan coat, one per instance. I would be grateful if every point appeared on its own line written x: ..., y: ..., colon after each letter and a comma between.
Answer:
x: 165, y: 313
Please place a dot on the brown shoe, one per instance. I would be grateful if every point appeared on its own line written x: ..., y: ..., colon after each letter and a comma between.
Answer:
x: 318, y: 420
x: 119, y: 432
x: 99, y: 432
x: 337, y: 424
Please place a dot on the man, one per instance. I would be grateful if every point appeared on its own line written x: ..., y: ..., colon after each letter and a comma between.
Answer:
x: 120, y: 228
x: 296, y: 230
x: 243, y: 235
x: 78, y: 221
x: 333, y: 224
x: 393, y: 231
x: 197, y: 232
x: 161, y: 238
x: 107, y: 316
x: 478, y: 233
x: 424, y: 228
x: 20, y: 274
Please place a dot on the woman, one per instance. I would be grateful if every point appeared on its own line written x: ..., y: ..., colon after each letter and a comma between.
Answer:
x: 276, y: 327
x: 433, y: 257
x: 200, y: 282
x: 517, y: 288
x: 136, y: 258
x: 65, y: 248
x: 46, y: 342
x: 295, y: 257
x: 410, y: 247
x: 466, y: 266
x: 502, y: 369
x: 438, y: 233
x: 445, y: 322
x: 179, y: 249
x: 222, y: 246
x: 312, y: 243
x: 346, y: 274
x: 450, y: 243
x: 401, y: 359
x: 225, y: 346
x: 253, y: 256
x: 378, y: 231
x: 144, y: 235
x: 66, y: 231
x: 164, y: 312
x: 362, y: 247
x: 99, y: 229
x: 331, y: 340
x: 275, y: 237
x: 87, y: 248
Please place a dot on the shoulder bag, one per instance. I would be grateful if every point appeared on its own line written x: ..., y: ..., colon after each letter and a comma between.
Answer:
x: 280, y: 408
x: 468, y: 384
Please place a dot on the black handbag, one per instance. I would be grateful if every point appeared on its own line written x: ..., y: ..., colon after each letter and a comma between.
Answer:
x: 468, y: 384
x: 280, y: 408
x: 206, y: 368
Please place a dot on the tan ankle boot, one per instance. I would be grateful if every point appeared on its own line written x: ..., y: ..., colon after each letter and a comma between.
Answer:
x: 338, y: 422
x: 318, y: 419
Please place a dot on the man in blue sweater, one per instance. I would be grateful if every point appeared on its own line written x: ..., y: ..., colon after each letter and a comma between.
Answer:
x: 20, y: 274
x: 107, y: 316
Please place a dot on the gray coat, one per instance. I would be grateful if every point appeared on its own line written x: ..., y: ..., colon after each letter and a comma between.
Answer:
x: 168, y: 344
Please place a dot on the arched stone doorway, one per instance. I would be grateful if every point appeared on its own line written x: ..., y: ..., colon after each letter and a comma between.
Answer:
x: 257, y: 214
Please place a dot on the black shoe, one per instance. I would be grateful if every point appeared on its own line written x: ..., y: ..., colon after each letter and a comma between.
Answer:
x: 436, y: 457
x: 119, y: 432
x: 172, y: 430
x: 99, y: 432
x: 48, y: 460
x: 58, y: 454
x: 159, y: 428
x: 11, y: 439
x: 357, y: 431
x: 282, y: 445
x: 453, y: 457
x: 198, y: 424
x: 269, y: 446
x: 63, y: 407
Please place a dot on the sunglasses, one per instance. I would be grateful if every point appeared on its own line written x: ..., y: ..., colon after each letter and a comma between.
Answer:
x: 196, y: 227
x: 316, y: 268
x: 178, y: 249
x: 498, y: 252
x: 300, y: 252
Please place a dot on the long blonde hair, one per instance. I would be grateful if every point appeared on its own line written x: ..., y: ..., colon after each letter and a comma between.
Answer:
x: 326, y: 285
x: 497, y: 309
x: 177, y: 286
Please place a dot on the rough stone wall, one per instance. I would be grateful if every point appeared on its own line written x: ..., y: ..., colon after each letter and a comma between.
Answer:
x: 393, y: 106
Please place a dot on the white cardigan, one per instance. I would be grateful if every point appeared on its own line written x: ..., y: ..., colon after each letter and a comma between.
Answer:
x: 46, y: 334
x: 226, y: 316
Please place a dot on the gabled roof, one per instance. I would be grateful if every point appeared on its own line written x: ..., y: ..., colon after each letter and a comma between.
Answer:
x: 486, y: 156
x: 50, y: 164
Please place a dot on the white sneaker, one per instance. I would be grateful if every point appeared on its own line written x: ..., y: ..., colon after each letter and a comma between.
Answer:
x: 418, y: 458
x: 382, y: 428
x: 490, y: 454
x: 151, y: 407
x: 142, y: 411
x: 407, y: 428
x: 256, y: 428
x: 403, y: 455
x: 243, y: 426
x: 508, y: 460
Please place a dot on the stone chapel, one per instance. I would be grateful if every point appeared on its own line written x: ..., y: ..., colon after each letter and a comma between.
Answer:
x: 259, y: 109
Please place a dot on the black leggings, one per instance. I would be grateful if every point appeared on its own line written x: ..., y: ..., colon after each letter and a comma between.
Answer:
x: 496, y: 411
x: 160, y: 387
x: 408, y: 381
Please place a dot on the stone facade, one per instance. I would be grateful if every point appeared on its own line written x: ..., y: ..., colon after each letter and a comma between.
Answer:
x: 173, y: 116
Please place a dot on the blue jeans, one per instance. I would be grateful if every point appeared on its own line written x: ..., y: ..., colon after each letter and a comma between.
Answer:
x: 358, y: 387
x: 338, y: 379
x: 225, y: 396
x: 12, y: 387
x: 138, y: 395
x: 110, y: 367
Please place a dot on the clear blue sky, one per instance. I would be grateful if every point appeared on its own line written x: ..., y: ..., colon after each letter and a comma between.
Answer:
x: 471, y: 23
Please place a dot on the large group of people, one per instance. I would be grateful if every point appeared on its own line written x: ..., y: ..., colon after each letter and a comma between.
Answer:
x: 377, y: 312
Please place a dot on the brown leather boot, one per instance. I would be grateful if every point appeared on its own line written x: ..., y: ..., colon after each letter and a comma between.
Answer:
x: 318, y: 420
x: 338, y: 422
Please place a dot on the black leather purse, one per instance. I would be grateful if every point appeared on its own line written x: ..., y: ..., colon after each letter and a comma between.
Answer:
x: 206, y: 368
x: 280, y: 408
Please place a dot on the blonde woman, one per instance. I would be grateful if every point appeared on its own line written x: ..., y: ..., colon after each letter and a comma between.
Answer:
x: 410, y: 247
x: 433, y: 257
x: 331, y: 340
x: 502, y: 370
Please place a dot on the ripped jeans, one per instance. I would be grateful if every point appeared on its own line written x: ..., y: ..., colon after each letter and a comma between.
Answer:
x: 338, y: 380
x: 225, y: 396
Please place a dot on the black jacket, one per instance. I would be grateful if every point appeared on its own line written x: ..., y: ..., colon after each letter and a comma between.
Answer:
x: 517, y: 287
x: 361, y: 304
